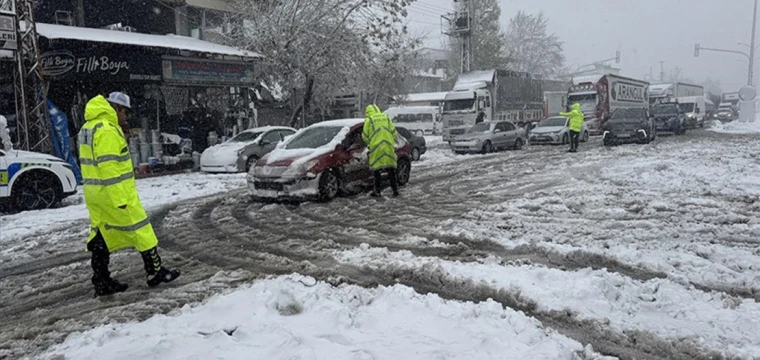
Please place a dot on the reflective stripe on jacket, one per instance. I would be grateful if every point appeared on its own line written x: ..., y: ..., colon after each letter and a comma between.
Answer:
x: 576, y: 118
x: 109, y: 183
x: 379, y: 134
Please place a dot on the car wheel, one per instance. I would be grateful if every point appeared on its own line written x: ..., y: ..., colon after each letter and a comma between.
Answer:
x: 585, y: 136
x: 487, y: 147
x: 565, y: 139
x: 250, y: 162
x: 403, y: 170
x: 415, y: 154
x: 329, y: 186
x: 36, y: 190
x: 518, y: 144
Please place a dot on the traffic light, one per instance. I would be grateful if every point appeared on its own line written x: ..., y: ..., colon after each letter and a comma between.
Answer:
x: 617, y: 57
x: 696, y: 50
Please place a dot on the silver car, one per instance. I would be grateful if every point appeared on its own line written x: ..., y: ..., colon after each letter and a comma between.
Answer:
x: 242, y: 151
x: 488, y: 136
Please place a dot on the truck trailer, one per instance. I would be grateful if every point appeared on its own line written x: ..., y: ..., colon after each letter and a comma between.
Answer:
x: 600, y: 95
x: 494, y: 94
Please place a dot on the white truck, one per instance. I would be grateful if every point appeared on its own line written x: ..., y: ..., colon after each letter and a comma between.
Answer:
x: 600, y: 95
x: 671, y: 92
x: 486, y: 95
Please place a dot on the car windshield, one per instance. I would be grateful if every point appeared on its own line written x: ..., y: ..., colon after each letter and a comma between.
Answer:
x: 314, y: 137
x: 553, y: 121
x: 457, y: 105
x: 246, y: 136
x: 664, y: 109
x: 480, y: 128
x: 686, y: 107
x: 629, y: 114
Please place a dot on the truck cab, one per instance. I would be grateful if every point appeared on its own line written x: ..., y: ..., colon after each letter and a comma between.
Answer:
x: 463, y: 108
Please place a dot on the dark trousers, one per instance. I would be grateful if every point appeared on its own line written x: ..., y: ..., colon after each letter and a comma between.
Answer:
x: 574, y: 139
x: 101, y: 258
x: 391, y: 176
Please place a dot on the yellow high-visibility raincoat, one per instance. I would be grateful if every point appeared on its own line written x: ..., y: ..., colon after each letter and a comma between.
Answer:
x: 576, y: 118
x: 379, y: 134
x: 109, y: 182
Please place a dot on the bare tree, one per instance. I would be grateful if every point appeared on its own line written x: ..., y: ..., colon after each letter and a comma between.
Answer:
x: 530, y: 48
x: 317, y: 49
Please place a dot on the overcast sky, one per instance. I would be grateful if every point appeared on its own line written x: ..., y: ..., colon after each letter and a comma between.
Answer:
x: 645, y: 31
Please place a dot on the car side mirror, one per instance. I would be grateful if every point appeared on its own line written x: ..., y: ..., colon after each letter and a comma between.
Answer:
x: 697, y: 111
x: 496, y: 131
x: 264, y: 142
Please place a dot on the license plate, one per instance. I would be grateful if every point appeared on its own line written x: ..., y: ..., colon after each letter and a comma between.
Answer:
x: 624, y: 135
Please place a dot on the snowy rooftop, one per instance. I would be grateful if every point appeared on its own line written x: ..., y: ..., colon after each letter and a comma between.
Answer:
x: 170, y: 41
x: 586, y: 79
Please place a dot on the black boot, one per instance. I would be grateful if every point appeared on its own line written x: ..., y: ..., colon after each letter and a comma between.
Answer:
x: 101, y: 278
x: 155, y: 273
x: 394, y: 181
x: 377, y: 189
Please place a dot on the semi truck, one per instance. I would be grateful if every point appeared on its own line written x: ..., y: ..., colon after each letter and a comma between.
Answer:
x: 494, y: 94
x: 671, y: 92
x: 600, y: 95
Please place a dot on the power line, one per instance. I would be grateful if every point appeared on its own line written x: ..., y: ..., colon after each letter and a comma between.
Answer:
x: 431, y: 7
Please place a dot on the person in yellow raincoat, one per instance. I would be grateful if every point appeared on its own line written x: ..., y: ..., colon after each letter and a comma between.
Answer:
x: 575, y: 125
x: 379, y: 134
x: 117, y: 218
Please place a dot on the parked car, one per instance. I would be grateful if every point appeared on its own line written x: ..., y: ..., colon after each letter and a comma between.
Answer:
x: 32, y: 181
x: 629, y: 125
x: 487, y: 136
x: 417, y: 143
x: 668, y: 117
x: 242, y: 151
x: 554, y: 130
x: 321, y: 162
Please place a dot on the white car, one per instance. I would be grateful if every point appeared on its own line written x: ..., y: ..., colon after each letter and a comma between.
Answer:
x: 554, y: 130
x: 31, y: 181
x: 242, y: 151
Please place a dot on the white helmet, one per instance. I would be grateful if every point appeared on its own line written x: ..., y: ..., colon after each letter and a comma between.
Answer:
x: 119, y: 98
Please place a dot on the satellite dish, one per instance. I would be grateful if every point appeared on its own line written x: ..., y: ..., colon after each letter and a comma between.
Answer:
x: 747, y: 93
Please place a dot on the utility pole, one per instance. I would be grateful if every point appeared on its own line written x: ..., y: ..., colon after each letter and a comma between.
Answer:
x: 662, y: 71
x: 80, y: 13
x: 750, y: 76
x: 459, y: 25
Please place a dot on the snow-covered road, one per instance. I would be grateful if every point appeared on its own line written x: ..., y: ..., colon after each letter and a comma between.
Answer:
x: 636, y: 252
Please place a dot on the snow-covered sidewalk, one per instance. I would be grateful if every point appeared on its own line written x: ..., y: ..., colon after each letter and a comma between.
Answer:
x: 293, y: 317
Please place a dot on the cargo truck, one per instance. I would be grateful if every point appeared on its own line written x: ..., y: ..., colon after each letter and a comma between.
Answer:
x: 486, y: 95
x: 600, y: 95
x: 671, y: 92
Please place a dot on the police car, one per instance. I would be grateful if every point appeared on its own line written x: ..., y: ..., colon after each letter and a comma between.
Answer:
x: 30, y: 180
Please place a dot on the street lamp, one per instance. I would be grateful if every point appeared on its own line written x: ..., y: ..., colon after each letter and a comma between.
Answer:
x: 750, y: 57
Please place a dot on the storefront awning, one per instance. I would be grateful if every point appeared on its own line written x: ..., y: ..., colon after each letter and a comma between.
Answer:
x: 51, y: 31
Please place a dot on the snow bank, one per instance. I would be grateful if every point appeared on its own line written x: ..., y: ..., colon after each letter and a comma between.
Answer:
x: 667, y: 309
x: 154, y: 192
x: 293, y: 317
x: 736, y: 127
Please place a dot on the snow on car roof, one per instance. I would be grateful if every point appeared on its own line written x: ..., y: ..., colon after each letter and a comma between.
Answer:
x: 341, y: 122
x: 267, y: 128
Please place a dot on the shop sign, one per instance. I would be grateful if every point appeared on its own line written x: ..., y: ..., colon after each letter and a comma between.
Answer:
x: 202, y: 71
x: 8, y: 33
x: 101, y: 66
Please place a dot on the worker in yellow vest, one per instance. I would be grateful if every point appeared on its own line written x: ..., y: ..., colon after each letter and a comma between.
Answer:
x: 575, y: 125
x: 117, y: 218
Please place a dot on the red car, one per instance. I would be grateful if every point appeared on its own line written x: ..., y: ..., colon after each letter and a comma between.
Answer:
x: 320, y: 162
